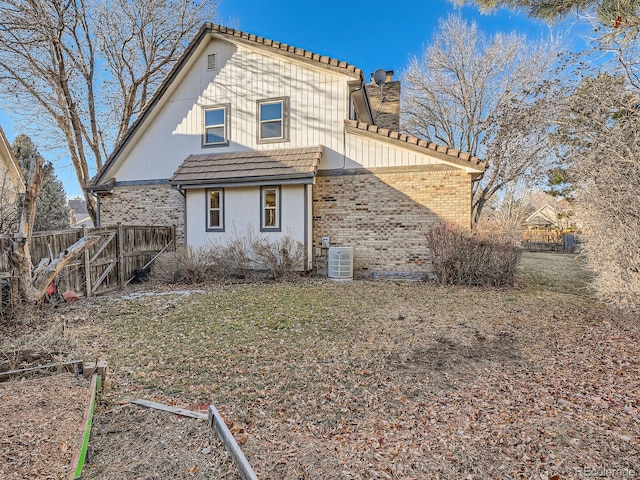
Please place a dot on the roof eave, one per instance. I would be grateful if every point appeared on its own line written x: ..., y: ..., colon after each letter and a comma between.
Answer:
x: 290, y: 51
x: 292, y: 179
x: 13, y: 166
x: 472, y: 165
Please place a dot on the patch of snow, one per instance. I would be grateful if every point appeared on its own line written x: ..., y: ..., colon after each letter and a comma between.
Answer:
x: 137, y: 295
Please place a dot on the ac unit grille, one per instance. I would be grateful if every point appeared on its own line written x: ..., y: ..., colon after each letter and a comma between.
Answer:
x: 341, y: 263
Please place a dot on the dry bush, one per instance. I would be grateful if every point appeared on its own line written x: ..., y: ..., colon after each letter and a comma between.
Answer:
x: 8, y: 301
x: 233, y: 259
x: 281, y: 257
x: 187, y: 266
x: 245, y: 256
x: 503, y: 231
x: 460, y: 257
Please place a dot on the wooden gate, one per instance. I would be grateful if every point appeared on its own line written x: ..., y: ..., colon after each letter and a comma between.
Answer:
x: 107, y: 266
x: 101, y: 263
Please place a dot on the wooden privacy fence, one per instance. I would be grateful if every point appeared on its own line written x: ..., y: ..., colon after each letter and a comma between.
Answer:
x: 105, y: 267
x: 549, y: 240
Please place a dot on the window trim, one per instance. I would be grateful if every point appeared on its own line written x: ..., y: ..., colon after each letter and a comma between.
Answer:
x: 285, y: 120
x: 226, y: 108
x: 278, y: 208
x: 208, y: 209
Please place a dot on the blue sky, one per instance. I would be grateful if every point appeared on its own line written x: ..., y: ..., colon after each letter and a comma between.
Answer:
x: 370, y: 35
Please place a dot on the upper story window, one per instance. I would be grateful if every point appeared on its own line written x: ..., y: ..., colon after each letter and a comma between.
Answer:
x: 272, y: 120
x: 215, y: 210
x: 216, y: 126
x: 270, y: 201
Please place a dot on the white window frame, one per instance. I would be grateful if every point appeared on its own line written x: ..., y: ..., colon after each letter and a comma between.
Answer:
x: 225, y: 125
x: 220, y: 209
x: 276, y: 210
x: 284, y: 120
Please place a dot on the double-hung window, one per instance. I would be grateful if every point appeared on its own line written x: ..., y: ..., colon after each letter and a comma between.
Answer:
x: 216, y: 126
x: 270, y: 206
x: 272, y: 120
x: 215, y: 210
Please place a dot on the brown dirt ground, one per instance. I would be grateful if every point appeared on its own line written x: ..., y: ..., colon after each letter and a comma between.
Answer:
x: 133, y: 442
x: 41, y: 425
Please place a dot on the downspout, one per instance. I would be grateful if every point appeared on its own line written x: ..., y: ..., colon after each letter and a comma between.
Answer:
x: 352, y: 109
x: 183, y: 192
x: 97, y: 197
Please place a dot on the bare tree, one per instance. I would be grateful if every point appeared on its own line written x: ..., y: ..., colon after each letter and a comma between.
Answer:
x: 87, y: 67
x: 491, y: 97
x: 33, y: 283
x: 600, y: 129
x: 598, y: 134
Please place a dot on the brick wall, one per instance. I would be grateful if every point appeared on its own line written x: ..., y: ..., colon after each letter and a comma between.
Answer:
x: 385, y: 104
x: 144, y: 205
x: 385, y: 216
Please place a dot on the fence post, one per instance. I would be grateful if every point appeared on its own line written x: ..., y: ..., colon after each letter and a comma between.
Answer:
x: 120, y: 255
x: 87, y: 265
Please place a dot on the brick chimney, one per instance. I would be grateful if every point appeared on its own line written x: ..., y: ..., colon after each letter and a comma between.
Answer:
x: 385, y: 102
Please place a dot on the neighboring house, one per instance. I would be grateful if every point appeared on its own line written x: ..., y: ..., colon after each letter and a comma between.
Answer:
x: 249, y: 134
x: 78, y: 214
x: 12, y: 181
x: 545, y: 218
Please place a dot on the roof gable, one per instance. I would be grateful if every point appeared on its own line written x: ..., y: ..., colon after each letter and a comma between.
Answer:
x: 546, y: 215
x: 207, y: 31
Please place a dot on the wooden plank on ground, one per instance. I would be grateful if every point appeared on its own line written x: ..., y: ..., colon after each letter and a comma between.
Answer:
x: 167, y: 408
x: 51, y: 367
x: 80, y: 456
x: 217, y: 422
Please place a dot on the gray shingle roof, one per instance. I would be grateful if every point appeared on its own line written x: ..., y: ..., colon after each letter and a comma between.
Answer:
x: 248, y: 166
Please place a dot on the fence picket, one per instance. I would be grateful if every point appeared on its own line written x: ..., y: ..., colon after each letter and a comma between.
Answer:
x: 106, y: 266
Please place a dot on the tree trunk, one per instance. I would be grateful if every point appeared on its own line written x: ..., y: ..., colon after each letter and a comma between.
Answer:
x: 21, y: 255
x: 32, y: 286
x: 46, y: 276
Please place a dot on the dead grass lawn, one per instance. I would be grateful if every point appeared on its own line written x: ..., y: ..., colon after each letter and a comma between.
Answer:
x: 388, y: 380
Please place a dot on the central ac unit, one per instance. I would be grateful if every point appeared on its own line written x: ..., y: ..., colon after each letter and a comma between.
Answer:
x: 341, y: 263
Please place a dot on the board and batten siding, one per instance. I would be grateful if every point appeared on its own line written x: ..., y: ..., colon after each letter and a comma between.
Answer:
x: 366, y: 152
x: 318, y: 104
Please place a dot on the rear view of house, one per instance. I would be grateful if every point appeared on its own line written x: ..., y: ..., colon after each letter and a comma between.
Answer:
x: 248, y: 134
